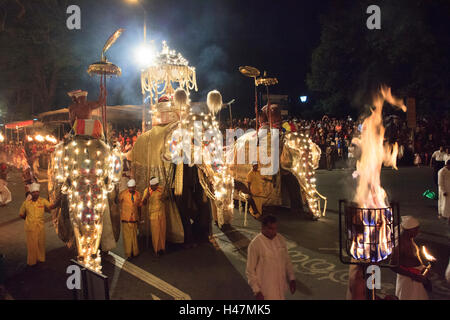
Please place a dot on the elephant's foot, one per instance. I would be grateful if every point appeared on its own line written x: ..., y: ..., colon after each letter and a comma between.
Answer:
x: 255, y: 214
x: 311, y: 217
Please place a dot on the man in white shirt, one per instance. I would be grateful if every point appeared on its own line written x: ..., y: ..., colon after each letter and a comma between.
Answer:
x: 268, y: 263
x: 447, y: 155
x: 444, y: 191
x: 438, y: 161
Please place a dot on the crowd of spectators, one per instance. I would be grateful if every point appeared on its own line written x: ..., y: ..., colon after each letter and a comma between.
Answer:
x: 125, y: 137
x: 334, y: 137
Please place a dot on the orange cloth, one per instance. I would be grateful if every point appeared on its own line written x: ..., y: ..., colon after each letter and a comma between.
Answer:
x: 88, y: 127
x: 157, y: 212
x: 129, y: 207
x: 34, y: 228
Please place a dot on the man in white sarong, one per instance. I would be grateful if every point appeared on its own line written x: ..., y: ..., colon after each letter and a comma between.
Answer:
x: 444, y: 192
x: 268, y: 263
x: 411, y: 283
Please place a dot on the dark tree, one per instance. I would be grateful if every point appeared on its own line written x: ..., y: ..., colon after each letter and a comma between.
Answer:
x: 37, y: 54
x: 410, y: 54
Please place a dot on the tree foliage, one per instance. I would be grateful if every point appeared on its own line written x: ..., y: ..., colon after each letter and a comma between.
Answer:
x: 409, y: 53
x: 37, y: 55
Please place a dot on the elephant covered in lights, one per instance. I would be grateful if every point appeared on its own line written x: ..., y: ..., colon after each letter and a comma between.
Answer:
x: 287, y: 163
x: 85, y: 170
x: 184, y: 162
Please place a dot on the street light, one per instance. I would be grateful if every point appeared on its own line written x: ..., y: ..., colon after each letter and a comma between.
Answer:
x: 142, y: 57
x: 145, y: 16
x: 145, y: 55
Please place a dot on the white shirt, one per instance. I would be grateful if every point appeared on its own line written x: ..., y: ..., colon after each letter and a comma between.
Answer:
x: 444, y: 187
x: 439, y: 156
x: 446, y: 157
x: 269, y: 266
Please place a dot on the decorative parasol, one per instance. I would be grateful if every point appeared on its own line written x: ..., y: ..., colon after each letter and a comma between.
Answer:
x: 252, y: 72
x: 264, y: 81
x: 169, y: 67
x: 249, y: 71
x: 105, y: 68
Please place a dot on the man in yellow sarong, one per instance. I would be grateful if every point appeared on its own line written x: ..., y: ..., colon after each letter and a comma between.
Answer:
x: 156, y: 207
x: 130, y: 216
x: 32, y: 210
x: 255, y: 185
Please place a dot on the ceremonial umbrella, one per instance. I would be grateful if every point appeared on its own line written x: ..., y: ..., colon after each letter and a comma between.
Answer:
x: 252, y: 72
x: 264, y: 81
x: 105, y: 68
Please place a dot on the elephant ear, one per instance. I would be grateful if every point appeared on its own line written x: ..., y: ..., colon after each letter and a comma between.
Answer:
x: 166, y: 155
x: 135, y: 156
x: 286, y: 158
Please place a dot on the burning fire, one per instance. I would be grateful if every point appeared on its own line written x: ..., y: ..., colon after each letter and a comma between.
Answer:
x: 51, y: 139
x: 427, y: 256
x: 369, y: 194
x: 39, y: 138
x: 2, y: 138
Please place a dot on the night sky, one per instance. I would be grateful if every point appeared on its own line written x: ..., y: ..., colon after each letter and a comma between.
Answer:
x: 216, y: 37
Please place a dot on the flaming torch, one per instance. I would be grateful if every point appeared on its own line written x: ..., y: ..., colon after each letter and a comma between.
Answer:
x: 429, y: 258
x: 39, y: 138
x: 371, y: 223
x: 51, y: 139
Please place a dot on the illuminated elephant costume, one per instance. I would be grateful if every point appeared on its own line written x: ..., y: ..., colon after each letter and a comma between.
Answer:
x: 174, y: 127
x: 85, y: 169
x: 280, y: 156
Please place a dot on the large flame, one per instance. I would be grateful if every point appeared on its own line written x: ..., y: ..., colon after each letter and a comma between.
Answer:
x: 369, y: 194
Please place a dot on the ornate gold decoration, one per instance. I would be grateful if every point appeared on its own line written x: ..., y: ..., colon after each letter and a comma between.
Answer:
x: 169, y: 67
x: 249, y: 71
x: 104, y: 67
x: 266, y: 81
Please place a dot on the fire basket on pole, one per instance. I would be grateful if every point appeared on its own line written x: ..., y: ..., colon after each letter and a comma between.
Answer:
x: 367, y: 236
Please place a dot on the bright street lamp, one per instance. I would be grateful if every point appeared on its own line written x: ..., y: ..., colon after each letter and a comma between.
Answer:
x: 145, y: 55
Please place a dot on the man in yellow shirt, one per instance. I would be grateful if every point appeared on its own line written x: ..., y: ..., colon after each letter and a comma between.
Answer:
x: 255, y: 185
x: 130, y: 215
x: 32, y: 210
x: 156, y: 207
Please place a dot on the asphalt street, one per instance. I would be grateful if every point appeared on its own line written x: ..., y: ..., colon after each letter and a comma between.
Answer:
x: 216, y: 270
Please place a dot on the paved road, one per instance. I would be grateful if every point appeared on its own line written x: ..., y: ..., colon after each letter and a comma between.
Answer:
x: 217, y: 270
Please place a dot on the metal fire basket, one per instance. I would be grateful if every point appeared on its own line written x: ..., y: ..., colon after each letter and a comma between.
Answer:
x: 368, y: 235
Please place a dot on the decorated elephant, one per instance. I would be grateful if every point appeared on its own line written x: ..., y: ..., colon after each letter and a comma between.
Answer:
x: 176, y: 144
x: 287, y: 163
x: 85, y: 170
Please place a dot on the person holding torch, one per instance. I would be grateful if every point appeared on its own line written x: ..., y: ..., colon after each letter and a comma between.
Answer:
x: 412, y: 282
